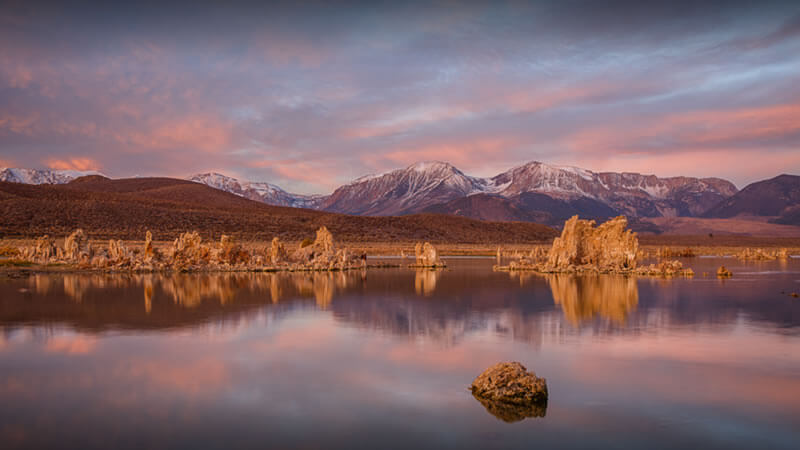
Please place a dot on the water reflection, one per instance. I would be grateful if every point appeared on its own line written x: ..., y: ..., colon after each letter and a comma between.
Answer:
x: 511, y: 413
x: 398, y: 302
x: 425, y: 281
x: 585, y: 297
x: 206, y: 360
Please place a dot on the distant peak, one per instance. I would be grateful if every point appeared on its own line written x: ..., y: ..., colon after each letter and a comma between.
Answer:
x: 430, y: 165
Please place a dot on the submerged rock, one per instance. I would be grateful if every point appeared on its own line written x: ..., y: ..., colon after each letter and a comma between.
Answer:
x: 510, y: 383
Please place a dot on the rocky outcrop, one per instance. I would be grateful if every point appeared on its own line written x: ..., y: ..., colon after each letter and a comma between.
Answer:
x: 188, y: 252
x: 759, y: 254
x: 76, y: 247
x: 42, y: 252
x: 150, y: 254
x: 609, y: 246
x: 669, y: 252
x: 584, y: 248
x: 118, y: 253
x: 723, y: 272
x: 426, y: 256
x: 510, y: 392
x: 277, y: 253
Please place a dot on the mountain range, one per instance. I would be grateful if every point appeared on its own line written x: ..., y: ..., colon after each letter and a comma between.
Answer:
x: 532, y: 192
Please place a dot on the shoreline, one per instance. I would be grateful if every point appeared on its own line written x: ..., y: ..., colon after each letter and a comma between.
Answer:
x: 700, y: 245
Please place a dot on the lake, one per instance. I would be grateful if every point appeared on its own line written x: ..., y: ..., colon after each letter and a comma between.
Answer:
x: 383, y: 359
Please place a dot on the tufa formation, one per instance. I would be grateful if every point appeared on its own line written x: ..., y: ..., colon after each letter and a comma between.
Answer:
x: 189, y: 253
x: 584, y: 248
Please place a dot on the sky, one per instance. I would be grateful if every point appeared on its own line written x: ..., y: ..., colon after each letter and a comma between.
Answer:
x: 310, y: 95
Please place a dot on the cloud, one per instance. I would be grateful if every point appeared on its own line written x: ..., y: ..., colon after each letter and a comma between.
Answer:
x: 311, y: 97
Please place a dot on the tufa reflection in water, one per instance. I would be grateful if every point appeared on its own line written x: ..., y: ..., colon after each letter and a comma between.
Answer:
x: 191, y: 291
x: 583, y: 298
x: 425, y: 281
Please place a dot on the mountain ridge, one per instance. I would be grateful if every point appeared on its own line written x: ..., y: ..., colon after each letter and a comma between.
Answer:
x: 534, y: 192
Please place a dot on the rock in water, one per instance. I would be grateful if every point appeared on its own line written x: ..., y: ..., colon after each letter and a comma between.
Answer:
x: 149, y: 250
x: 510, y: 382
x: 277, y: 252
x: 427, y: 256
x: 76, y: 245
x: 723, y: 272
x: 609, y: 246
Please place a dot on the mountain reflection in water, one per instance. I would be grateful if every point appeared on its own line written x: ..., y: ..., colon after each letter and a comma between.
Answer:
x: 383, y: 359
x: 467, y: 301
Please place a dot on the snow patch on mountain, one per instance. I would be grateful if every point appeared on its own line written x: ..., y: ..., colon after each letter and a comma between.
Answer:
x: 39, y: 176
x: 256, y: 190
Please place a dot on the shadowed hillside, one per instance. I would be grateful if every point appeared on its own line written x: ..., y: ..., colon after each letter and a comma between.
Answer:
x: 777, y: 197
x: 126, y: 208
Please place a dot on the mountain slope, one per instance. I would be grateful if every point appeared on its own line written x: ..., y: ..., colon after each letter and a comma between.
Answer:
x: 629, y: 193
x: 259, y: 191
x: 526, y: 207
x: 531, y: 192
x: 778, y: 197
x: 127, y: 208
x: 36, y: 176
x: 403, y: 191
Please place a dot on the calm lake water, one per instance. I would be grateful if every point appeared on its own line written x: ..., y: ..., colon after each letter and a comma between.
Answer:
x: 383, y: 359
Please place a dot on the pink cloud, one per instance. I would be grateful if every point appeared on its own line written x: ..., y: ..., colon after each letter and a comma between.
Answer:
x: 691, y: 129
x: 76, y: 163
x: 72, y: 345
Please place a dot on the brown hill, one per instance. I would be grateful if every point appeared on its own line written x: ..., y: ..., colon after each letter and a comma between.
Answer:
x: 126, y: 208
x: 777, y: 198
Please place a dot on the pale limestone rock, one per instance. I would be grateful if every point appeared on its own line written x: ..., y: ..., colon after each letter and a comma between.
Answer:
x: 149, y: 251
x: 76, y: 246
x: 230, y: 252
x: 756, y: 254
x: 277, y: 252
x: 118, y: 253
x: 427, y: 256
x: 42, y: 253
x: 608, y: 247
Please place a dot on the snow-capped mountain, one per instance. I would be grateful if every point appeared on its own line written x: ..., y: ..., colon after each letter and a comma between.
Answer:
x: 431, y: 185
x: 628, y: 193
x: 403, y: 191
x: 259, y: 191
x: 531, y: 192
x: 36, y: 176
